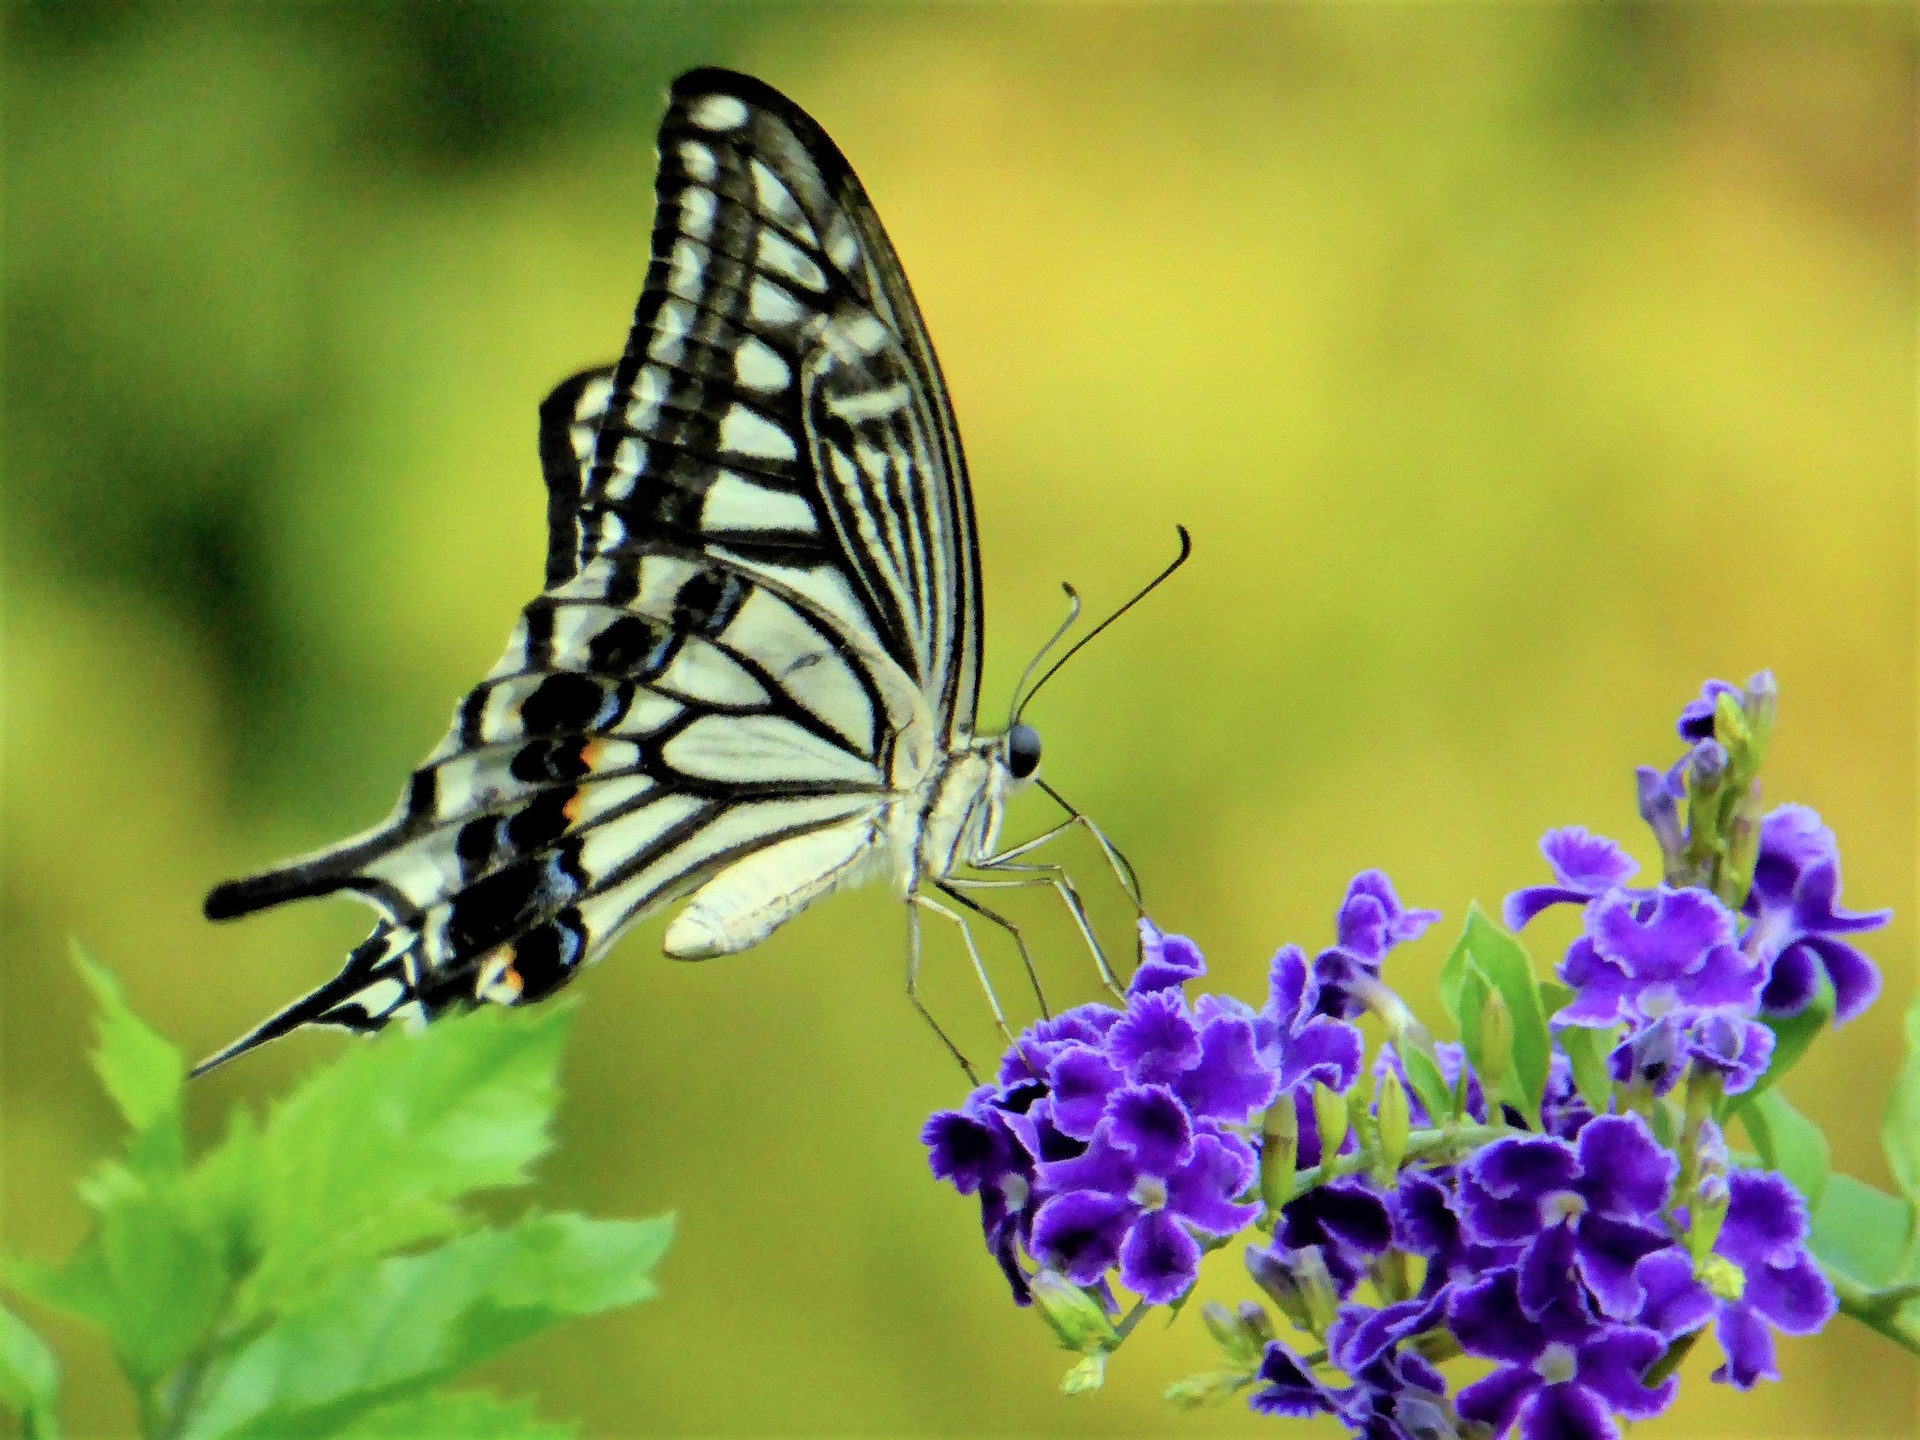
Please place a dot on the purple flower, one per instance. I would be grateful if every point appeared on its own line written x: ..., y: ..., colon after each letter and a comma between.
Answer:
x: 1346, y: 1221
x: 1560, y: 1377
x: 1301, y: 1045
x: 975, y: 1149
x: 1288, y: 1387
x: 1643, y: 956
x: 1166, y: 961
x: 1394, y: 1394
x: 1796, y: 887
x: 1371, y: 921
x: 1148, y: 1180
x: 1425, y: 1207
x: 1585, y: 866
x: 1659, y: 1052
x: 1033, y: 1052
x: 1696, y: 717
x: 1764, y: 1238
x: 1586, y: 1212
x: 1563, y: 1109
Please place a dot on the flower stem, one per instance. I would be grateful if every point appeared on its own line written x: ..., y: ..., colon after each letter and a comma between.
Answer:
x: 1889, y: 1311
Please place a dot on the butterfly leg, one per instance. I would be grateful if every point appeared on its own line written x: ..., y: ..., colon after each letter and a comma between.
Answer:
x: 913, y: 990
x: 1055, y: 878
x: 973, y: 950
x: 1118, y: 863
x: 946, y: 888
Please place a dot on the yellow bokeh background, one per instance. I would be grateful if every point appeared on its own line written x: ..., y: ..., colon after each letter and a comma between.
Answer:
x: 1516, y: 368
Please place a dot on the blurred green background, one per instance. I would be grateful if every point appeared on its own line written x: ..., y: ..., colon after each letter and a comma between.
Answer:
x: 1515, y: 367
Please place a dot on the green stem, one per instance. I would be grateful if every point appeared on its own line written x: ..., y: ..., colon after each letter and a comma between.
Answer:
x: 1888, y: 1311
x: 1421, y: 1145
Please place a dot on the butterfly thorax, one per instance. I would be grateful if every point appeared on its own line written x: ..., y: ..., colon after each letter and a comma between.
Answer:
x: 952, y: 818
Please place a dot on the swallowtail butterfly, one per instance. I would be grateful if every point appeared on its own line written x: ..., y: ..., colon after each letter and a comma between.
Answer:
x: 753, y: 674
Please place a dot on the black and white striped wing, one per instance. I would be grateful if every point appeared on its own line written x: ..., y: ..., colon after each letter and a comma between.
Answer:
x: 761, y: 581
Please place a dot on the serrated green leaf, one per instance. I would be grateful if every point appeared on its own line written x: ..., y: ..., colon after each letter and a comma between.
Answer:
x: 1587, y: 1050
x: 151, y: 1275
x: 371, y: 1152
x: 465, y: 1415
x: 1789, y: 1143
x: 142, y: 1072
x: 1509, y: 968
x: 29, y: 1378
x: 1900, y: 1127
x: 380, y: 1334
x: 1861, y: 1231
x: 1791, y: 1037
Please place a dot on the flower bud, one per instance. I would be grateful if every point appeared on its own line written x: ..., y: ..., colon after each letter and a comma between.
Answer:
x: 1279, y: 1152
x: 1075, y: 1317
x: 1396, y: 1123
x: 1661, y: 811
x: 1089, y: 1375
x: 1730, y: 726
x: 1330, y: 1119
x: 1495, y: 1060
x: 1723, y: 1279
x: 1241, y: 1340
x: 1743, y: 849
x: 1215, y: 1387
x: 1297, y: 1281
x: 1762, y: 706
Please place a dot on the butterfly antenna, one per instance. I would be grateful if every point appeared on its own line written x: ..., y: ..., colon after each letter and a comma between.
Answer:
x: 1186, y: 549
x: 1073, y: 614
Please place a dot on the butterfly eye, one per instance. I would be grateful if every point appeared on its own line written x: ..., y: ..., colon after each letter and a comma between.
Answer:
x: 1023, y: 751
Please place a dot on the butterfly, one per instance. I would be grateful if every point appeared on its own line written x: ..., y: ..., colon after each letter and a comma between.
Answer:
x: 752, y: 677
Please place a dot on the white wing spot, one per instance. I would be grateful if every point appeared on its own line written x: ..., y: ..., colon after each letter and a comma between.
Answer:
x: 758, y: 366
x: 697, y: 207
x: 870, y: 404
x: 698, y: 160
x: 745, y: 432
x: 782, y: 257
x: 736, y: 504
x: 719, y: 112
x: 779, y: 203
x: 772, y: 305
x: 687, y: 270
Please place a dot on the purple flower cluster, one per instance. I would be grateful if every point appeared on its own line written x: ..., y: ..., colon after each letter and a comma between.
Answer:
x: 1111, y: 1139
x: 1580, y: 1253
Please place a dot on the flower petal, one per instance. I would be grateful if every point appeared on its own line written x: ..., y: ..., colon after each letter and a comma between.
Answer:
x: 1082, y: 1082
x: 1856, y: 979
x: 1566, y: 1412
x: 1080, y: 1234
x: 1201, y: 1192
x: 1496, y: 1400
x: 1151, y: 1125
x: 1487, y: 1320
x: 1624, y: 1172
x: 1229, y: 1083
x: 1156, y: 1041
x: 1794, y: 1296
x: 1676, y: 1303
x: 1587, y: 862
x: 1611, y: 1365
x: 1158, y: 1259
x: 1748, y: 1346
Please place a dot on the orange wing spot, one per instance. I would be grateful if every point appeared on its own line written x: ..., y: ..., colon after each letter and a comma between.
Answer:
x: 572, y: 808
x: 498, y: 982
x: 590, y: 754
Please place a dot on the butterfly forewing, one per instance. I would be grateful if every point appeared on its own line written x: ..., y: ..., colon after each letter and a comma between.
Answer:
x: 761, y: 581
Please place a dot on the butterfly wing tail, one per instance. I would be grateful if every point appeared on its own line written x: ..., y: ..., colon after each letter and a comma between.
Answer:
x: 370, y: 989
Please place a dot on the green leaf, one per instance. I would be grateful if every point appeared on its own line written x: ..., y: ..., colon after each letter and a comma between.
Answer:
x: 1861, y: 1231
x: 1554, y: 997
x: 1900, y: 1128
x: 380, y: 1334
x: 142, y: 1073
x: 1791, y: 1037
x: 466, y: 1415
x: 151, y: 1276
x: 29, y: 1378
x: 1587, y: 1050
x: 370, y: 1153
x: 1453, y: 979
x: 1508, y: 967
x: 1789, y: 1143
x: 1428, y: 1081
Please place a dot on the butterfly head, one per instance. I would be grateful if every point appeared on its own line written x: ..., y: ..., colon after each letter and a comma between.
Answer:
x: 1020, y: 751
